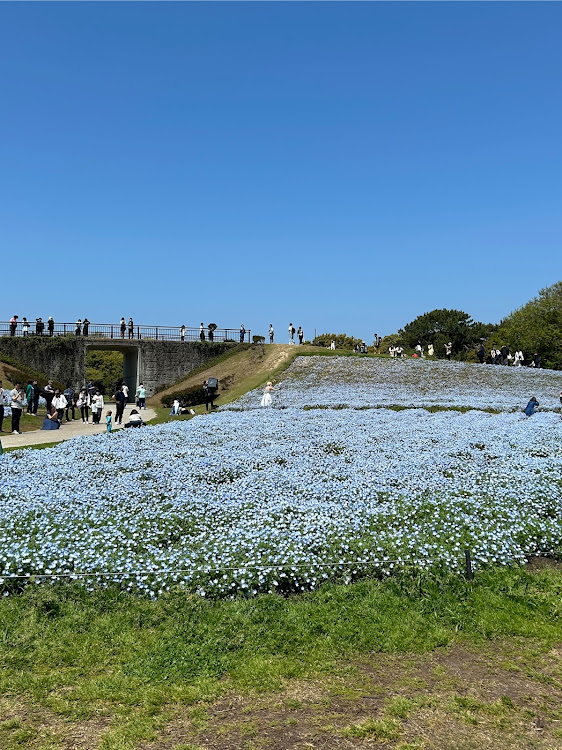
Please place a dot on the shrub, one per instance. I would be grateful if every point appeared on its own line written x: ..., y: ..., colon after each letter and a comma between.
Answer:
x: 258, y: 339
x: 187, y: 397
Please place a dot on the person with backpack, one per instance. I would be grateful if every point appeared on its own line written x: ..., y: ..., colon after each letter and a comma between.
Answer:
x: 123, y: 327
x: 292, y: 332
x: 131, y: 327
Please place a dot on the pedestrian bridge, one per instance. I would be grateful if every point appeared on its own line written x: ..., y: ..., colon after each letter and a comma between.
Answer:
x: 156, y: 362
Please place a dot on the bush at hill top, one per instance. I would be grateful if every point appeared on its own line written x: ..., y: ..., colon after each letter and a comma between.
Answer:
x: 536, y: 327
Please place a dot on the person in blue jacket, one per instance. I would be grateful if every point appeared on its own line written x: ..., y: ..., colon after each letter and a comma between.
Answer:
x: 531, y: 406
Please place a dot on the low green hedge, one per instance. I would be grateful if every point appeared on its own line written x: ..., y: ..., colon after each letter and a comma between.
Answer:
x: 187, y: 397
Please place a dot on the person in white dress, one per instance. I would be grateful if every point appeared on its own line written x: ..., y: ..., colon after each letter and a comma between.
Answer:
x: 266, y: 398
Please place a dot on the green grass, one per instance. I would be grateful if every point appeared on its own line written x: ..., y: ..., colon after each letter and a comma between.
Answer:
x: 80, y: 655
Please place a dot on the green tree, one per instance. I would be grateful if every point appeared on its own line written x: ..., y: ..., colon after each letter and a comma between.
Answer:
x: 536, y: 327
x: 105, y: 369
x: 438, y: 327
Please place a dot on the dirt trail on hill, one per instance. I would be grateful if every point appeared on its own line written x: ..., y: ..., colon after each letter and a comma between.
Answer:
x: 242, y: 371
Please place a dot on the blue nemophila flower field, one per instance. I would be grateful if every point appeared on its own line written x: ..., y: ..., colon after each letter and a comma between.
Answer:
x: 279, y: 500
x: 367, y: 382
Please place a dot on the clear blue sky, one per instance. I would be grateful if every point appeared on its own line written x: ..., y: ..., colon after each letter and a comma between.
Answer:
x: 343, y: 166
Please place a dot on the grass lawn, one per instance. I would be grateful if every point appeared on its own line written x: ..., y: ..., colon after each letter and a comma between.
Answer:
x: 409, y: 663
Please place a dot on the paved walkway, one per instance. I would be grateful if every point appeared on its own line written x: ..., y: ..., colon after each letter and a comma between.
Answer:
x: 67, y: 429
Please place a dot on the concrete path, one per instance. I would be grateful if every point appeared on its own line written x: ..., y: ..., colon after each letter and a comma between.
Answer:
x: 67, y: 429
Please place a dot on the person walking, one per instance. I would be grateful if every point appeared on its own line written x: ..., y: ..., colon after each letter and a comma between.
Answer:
x: 17, y: 403
x: 108, y: 423
x: 25, y: 326
x: 122, y: 327
x: 141, y: 396
x: 51, y: 325
x: 119, y: 406
x: 85, y: 326
x: 300, y: 334
x: 242, y: 333
x: 271, y: 333
x: 13, y: 325
x: 125, y: 389
x: 78, y: 328
x: 131, y: 328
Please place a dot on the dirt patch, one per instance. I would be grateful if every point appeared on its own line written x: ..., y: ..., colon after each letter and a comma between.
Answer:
x: 450, y: 699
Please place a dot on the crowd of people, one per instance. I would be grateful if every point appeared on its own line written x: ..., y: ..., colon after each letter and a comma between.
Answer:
x: 60, y: 405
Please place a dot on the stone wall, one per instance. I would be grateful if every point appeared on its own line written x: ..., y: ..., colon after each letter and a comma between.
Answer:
x: 63, y: 358
x: 162, y: 363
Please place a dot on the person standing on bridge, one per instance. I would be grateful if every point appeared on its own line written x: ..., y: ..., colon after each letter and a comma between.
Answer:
x: 182, y: 333
x: 13, y: 325
x: 51, y: 325
x: 78, y: 330
x: 123, y: 327
x: 131, y: 327
x: 202, y: 332
x: 85, y: 326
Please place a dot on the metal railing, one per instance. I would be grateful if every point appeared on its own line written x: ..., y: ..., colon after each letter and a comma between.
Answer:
x: 114, y: 331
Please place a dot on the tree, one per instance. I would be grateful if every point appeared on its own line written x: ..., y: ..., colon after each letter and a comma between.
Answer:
x: 536, y: 327
x: 438, y: 327
x: 105, y: 369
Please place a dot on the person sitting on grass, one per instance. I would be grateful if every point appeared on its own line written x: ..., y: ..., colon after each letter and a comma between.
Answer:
x: 51, y: 420
x: 531, y: 407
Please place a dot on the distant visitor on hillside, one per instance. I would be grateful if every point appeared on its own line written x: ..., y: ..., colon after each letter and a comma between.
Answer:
x: 448, y: 350
x: 271, y: 333
x: 242, y: 333
x: 481, y: 352
x: 300, y: 334
x: 531, y: 407
x: 292, y: 331
x: 430, y: 350
x: 266, y: 398
x: 333, y: 345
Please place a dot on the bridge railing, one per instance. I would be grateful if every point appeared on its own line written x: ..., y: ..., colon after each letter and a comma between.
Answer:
x: 113, y: 331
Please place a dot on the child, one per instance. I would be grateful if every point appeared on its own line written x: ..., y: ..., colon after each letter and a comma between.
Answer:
x: 108, y: 422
